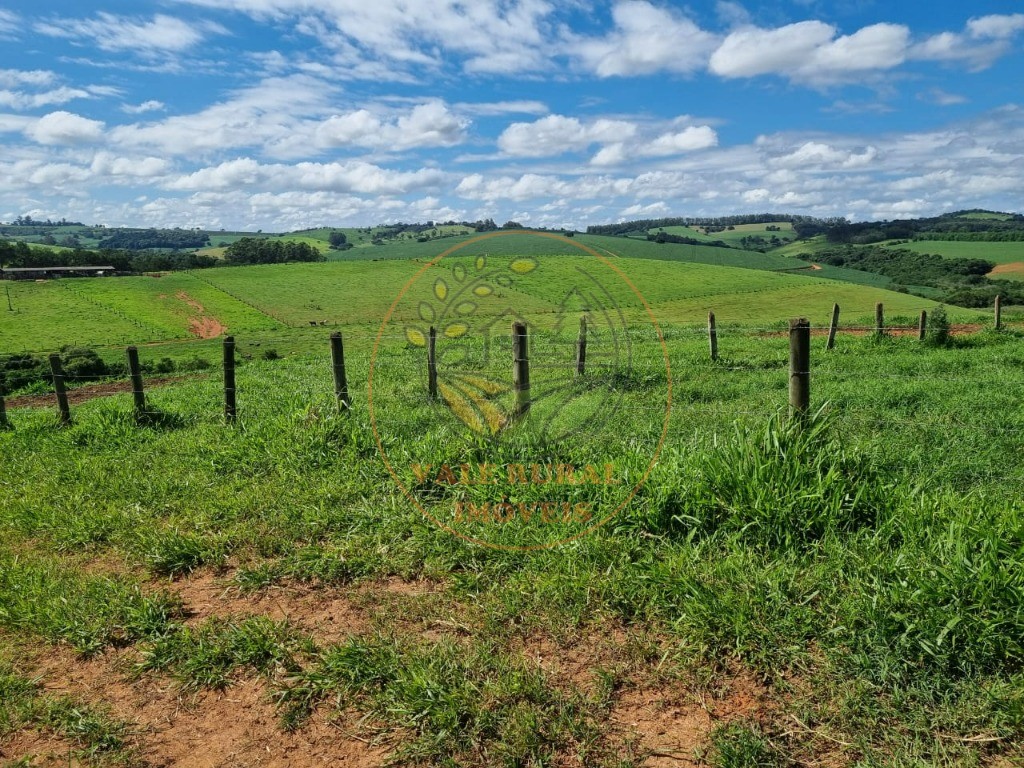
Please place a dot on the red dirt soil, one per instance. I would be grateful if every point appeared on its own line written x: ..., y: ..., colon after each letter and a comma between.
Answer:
x: 655, y: 717
x: 90, y: 391
x: 203, y: 325
x: 958, y: 329
x: 235, y: 727
x: 1013, y: 268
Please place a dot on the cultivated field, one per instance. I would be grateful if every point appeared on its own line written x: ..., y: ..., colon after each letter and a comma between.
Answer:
x: 681, y: 287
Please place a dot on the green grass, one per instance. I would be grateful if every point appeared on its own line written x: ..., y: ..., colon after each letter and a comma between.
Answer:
x: 129, y: 310
x: 260, y: 304
x: 985, y: 215
x: 97, y: 736
x: 801, y: 248
x: 999, y: 253
x: 874, y: 556
x: 735, y: 235
x: 47, y: 316
x: 869, y: 566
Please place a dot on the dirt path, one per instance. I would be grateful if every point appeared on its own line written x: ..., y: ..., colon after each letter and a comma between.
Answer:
x: 202, y: 325
x: 90, y: 391
x: 206, y: 327
x: 957, y: 329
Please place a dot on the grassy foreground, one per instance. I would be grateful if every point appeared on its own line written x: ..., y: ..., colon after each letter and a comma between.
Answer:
x: 864, y: 574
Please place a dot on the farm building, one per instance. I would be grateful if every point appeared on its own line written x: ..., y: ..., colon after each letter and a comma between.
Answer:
x: 48, y: 273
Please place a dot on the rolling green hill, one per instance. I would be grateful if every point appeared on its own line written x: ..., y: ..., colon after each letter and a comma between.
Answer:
x: 998, y: 252
x: 258, y: 300
x: 734, y: 235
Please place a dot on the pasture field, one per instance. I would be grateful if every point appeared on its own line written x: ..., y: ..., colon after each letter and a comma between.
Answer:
x: 847, y: 592
x: 534, y: 245
x: 799, y: 248
x: 219, y: 239
x: 993, y: 215
x: 735, y: 235
x: 128, y: 310
x: 360, y: 237
x: 999, y: 253
x: 257, y: 300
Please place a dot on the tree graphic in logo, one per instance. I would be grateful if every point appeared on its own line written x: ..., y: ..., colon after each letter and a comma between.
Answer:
x: 468, y: 338
x: 521, y: 442
x: 474, y: 398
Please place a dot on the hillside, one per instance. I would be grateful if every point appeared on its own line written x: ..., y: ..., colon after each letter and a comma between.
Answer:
x: 250, y: 301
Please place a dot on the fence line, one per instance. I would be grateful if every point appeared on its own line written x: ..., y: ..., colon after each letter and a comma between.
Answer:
x: 520, y: 346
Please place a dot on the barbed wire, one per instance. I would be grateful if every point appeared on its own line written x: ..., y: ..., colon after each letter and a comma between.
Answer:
x: 723, y: 330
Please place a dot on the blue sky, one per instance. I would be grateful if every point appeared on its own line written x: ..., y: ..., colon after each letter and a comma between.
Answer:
x: 285, y: 114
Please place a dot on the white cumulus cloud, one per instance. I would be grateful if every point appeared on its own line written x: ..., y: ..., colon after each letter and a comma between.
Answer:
x: 687, y: 140
x: 983, y: 40
x: 352, y: 177
x: 810, y: 51
x: 65, y: 128
x: 646, y: 39
x: 426, y: 125
x: 557, y: 134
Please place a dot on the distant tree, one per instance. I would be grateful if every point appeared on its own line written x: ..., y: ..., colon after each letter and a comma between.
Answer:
x: 511, y: 225
x: 253, y: 250
x: 337, y: 240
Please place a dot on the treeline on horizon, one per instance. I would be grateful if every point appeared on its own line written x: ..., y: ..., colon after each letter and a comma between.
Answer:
x: 248, y: 250
x: 958, y: 225
x: 19, y: 254
x: 811, y: 226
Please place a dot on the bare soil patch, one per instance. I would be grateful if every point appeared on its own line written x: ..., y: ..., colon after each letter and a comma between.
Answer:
x: 1013, y: 268
x: 39, y: 748
x: 206, y: 327
x: 90, y: 392
x: 329, y: 614
x: 235, y: 727
x: 201, y: 325
x: 671, y: 725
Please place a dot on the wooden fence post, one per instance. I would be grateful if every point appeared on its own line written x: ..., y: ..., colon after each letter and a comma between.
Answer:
x: 432, y: 363
x: 581, y: 347
x: 833, y: 327
x: 521, y: 369
x: 135, y: 371
x: 338, y: 366
x: 230, y: 405
x: 998, y: 309
x: 799, y: 367
x: 59, y: 389
x: 4, y: 423
x: 712, y: 336
x: 922, y: 325
x: 879, y: 319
